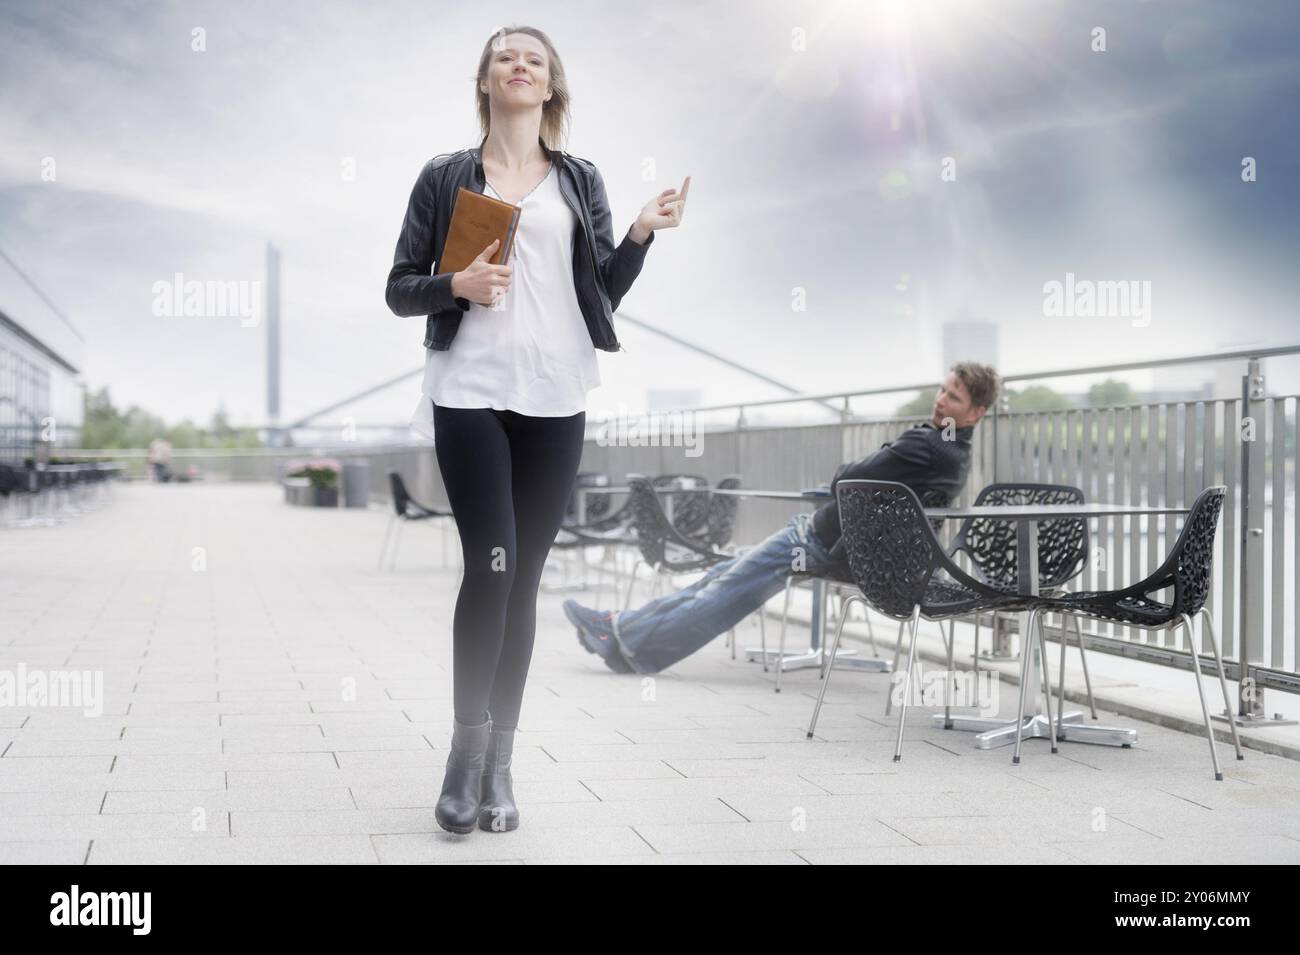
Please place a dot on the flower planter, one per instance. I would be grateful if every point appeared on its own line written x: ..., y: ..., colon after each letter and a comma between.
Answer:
x: 313, y: 484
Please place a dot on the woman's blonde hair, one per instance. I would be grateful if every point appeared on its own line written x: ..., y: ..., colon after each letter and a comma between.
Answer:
x: 555, y: 111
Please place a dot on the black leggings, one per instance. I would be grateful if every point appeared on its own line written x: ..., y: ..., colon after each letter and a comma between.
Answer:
x: 508, y: 478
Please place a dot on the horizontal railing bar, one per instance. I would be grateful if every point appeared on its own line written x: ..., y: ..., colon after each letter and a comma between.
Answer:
x: 1242, y: 354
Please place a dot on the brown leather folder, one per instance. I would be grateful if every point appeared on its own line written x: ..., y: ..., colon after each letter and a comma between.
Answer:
x: 476, y: 220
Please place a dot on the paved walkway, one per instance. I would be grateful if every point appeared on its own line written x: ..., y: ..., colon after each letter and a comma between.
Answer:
x: 269, y: 696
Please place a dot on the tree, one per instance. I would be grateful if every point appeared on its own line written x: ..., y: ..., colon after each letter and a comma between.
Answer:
x: 922, y: 404
x: 1037, y: 398
x: 104, y: 426
x: 1111, y: 393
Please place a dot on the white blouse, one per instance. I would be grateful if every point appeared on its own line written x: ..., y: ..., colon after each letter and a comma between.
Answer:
x: 534, y: 355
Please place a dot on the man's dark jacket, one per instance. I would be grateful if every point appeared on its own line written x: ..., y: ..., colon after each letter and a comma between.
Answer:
x: 919, y: 458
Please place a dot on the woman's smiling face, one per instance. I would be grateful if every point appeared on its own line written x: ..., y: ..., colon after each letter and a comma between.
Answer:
x: 519, y: 73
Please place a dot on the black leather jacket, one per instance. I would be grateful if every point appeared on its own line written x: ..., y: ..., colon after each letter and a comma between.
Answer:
x: 602, y: 273
x: 919, y: 458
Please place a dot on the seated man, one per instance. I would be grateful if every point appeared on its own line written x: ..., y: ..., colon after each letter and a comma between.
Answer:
x: 931, y: 457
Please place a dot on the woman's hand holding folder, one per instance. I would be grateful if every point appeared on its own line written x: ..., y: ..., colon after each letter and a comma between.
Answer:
x: 481, y: 281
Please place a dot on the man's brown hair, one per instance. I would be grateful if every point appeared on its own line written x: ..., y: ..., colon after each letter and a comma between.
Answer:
x: 982, y: 381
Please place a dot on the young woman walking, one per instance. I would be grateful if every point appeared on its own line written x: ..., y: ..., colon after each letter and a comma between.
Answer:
x: 510, y: 355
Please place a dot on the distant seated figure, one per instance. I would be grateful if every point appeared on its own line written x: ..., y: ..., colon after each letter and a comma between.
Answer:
x: 932, y: 457
x: 160, y: 459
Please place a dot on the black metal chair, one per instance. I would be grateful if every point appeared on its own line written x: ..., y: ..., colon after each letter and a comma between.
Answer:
x: 688, y: 505
x: 903, y: 572
x: 614, y: 532
x: 36, y: 484
x: 581, y: 510
x: 407, y: 509
x: 719, y: 527
x: 990, y: 546
x: 662, y: 546
x: 1187, y: 570
x: 719, y: 523
x: 839, y: 582
x: 666, y: 550
x: 10, y: 485
x: 594, y: 506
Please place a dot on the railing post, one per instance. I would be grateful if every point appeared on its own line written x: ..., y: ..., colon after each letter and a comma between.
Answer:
x: 1251, y: 638
x: 1002, y: 404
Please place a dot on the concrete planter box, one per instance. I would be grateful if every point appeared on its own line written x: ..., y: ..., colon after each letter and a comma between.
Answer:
x: 298, y: 491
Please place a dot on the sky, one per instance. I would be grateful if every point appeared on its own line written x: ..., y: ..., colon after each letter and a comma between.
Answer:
x: 861, y: 173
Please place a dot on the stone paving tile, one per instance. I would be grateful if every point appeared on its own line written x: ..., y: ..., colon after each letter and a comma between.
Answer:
x: 706, y: 785
x: 103, y: 747
x: 758, y: 808
x: 1014, y: 827
x: 107, y: 782
x: 940, y: 855
x: 50, y: 803
x: 307, y: 712
x: 559, y: 843
x: 163, y: 800
x: 1240, y: 849
x: 115, y: 825
x: 380, y: 746
x: 51, y: 852
x: 1173, y: 823
x: 741, y: 836
x: 771, y: 857
x: 250, y: 850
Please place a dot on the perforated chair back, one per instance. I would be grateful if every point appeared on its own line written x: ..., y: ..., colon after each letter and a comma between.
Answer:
x: 648, y: 519
x: 722, y: 508
x: 597, y: 505
x: 1191, y: 561
x: 991, y: 544
x: 895, y: 557
x: 690, y: 508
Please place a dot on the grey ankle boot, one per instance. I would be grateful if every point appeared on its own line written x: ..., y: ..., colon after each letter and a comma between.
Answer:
x: 497, y: 811
x: 458, y: 803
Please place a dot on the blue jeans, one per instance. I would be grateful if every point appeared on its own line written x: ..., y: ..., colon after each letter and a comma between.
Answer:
x: 673, y: 627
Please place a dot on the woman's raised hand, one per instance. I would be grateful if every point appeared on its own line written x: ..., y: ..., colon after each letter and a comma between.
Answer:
x: 664, y: 211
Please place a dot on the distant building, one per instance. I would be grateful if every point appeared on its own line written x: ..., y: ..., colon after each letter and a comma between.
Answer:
x: 42, y: 396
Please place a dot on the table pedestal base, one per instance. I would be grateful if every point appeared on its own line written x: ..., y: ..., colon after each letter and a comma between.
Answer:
x: 994, y: 731
x: 846, y: 659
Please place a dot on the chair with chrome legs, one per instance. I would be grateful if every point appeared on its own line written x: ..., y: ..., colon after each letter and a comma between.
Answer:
x: 667, y: 551
x: 990, y: 546
x: 407, y: 508
x: 902, y: 571
x: 581, y: 509
x: 615, y: 532
x: 717, y: 530
x: 670, y: 522
x: 837, y: 580
x: 585, y: 508
x: 1188, y: 570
